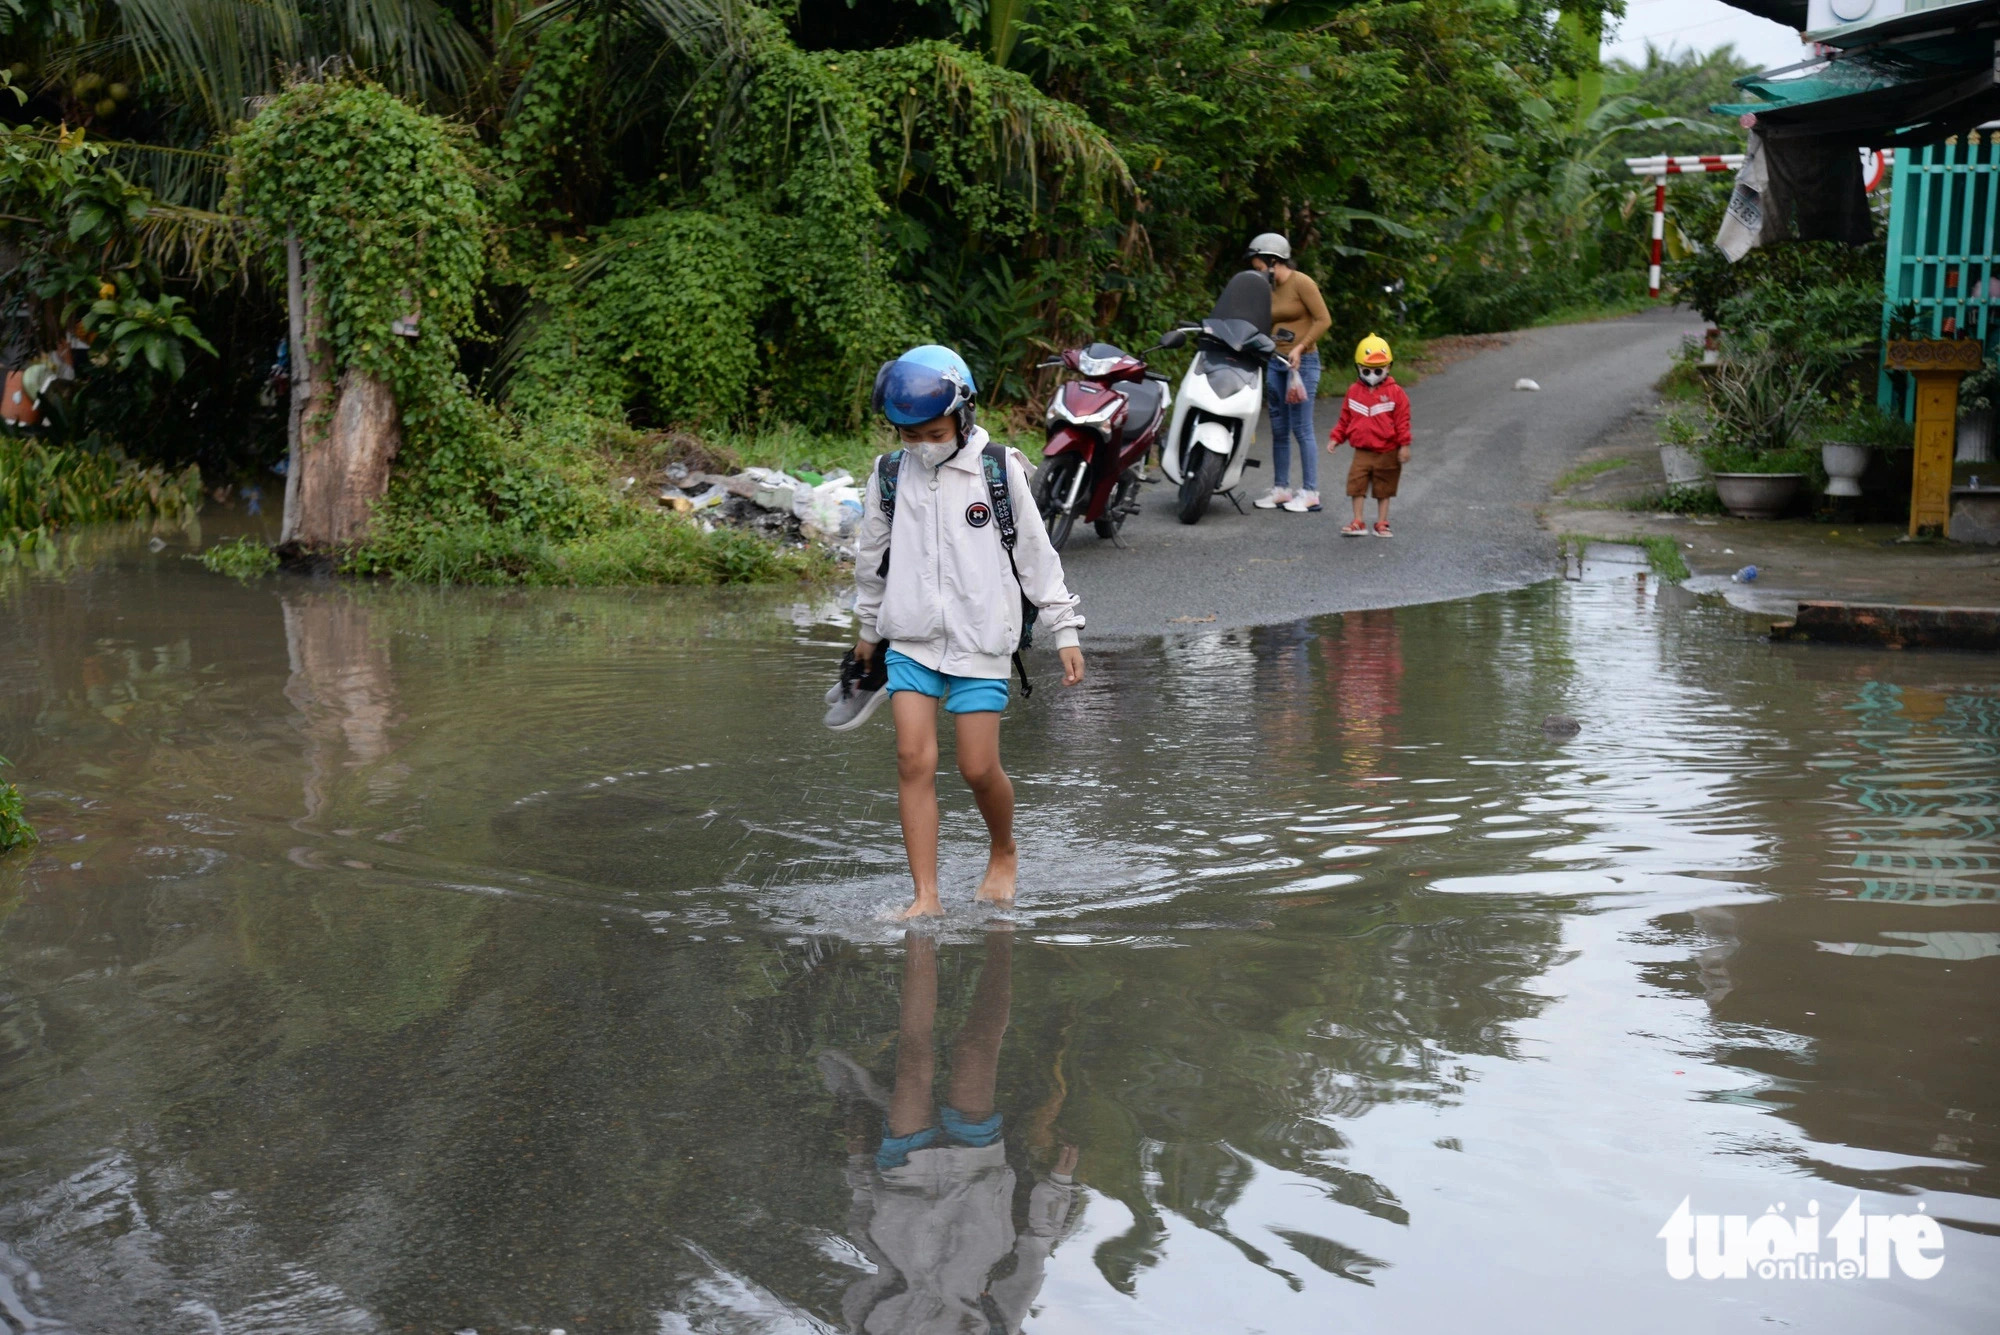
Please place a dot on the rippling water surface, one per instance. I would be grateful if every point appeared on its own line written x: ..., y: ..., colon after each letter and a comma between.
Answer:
x: 443, y: 961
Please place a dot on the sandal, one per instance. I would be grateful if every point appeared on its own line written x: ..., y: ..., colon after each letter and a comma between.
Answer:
x: 1357, y: 529
x: 1382, y: 531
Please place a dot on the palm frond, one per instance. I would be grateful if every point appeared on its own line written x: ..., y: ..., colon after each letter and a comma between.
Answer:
x: 216, y: 53
x: 221, y: 54
x: 183, y: 177
x: 1003, y: 28
x: 415, y: 47
x: 207, y: 247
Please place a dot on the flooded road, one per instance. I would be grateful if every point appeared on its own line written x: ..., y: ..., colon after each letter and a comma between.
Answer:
x: 459, y: 960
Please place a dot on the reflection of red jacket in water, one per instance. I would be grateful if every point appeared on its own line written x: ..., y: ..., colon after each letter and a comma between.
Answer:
x: 1375, y: 419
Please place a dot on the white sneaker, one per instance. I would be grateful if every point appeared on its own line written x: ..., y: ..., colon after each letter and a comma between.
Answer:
x: 1273, y: 498
x: 1303, y: 503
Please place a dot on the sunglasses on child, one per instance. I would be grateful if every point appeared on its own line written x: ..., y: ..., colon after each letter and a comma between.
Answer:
x: 1374, y: 375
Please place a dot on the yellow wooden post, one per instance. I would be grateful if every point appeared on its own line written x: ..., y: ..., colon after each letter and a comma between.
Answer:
x: 1936, y: 365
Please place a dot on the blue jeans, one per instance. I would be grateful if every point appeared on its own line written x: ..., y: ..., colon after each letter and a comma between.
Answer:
x: 1292, y: 420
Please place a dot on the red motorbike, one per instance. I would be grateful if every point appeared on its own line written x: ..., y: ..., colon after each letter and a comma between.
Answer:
x: 1100, y: 428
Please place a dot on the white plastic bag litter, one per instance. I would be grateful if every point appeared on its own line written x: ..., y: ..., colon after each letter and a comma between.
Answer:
x: 775, y: 490
x: 834, y: 506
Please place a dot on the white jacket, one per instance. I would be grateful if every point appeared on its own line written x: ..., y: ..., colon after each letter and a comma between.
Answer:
x: 950, y: 601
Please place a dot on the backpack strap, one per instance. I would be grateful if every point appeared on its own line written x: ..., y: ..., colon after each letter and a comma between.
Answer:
x: 887, y: 469
x: 993, y: 464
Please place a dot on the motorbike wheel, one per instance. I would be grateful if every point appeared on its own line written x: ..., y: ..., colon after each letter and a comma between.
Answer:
x: 1051, y: 484
x: 1202, y: 475
x: 1123, y: 503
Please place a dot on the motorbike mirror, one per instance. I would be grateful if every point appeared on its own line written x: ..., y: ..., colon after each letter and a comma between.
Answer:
x: 1285, y: 336
x: 1173, y: 338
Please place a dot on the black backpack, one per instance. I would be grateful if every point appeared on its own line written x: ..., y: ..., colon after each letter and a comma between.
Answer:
x: 992, y: 466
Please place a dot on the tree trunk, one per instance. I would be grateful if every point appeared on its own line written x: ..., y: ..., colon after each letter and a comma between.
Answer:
x: 302, y: 369
x: 349, y: 432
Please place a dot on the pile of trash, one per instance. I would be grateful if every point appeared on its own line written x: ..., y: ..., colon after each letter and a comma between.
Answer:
x: 793, y: 508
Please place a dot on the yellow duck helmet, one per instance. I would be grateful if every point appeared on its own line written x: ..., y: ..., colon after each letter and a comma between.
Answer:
x: 1373, y: 351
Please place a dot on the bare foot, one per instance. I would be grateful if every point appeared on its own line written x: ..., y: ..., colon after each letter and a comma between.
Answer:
x: 1002, y: 868
x: 923, y: 906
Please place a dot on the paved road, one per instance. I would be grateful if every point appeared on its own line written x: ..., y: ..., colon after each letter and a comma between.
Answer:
x: 1483, y: 459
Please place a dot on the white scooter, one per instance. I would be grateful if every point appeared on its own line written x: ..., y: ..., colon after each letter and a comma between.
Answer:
x: 1215, y: 414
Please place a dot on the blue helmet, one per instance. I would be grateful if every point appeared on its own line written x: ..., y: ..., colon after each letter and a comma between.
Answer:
x: 924, y: 383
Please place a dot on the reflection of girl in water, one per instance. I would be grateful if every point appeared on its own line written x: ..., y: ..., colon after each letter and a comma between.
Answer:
x: 933, y: 1204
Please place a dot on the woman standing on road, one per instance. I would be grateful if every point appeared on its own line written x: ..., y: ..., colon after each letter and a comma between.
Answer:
x: 1295, y: 305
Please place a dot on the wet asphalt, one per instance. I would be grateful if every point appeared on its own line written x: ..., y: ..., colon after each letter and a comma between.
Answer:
x: 1483, y: 459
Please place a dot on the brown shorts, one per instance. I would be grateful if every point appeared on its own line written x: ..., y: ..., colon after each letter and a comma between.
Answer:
x: 1380, y: 467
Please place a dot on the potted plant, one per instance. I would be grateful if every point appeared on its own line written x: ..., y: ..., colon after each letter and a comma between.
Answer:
x: 1779, y: 350
x: 1850, y: 430
x: 1760, y: 401
x: 1976, y: 395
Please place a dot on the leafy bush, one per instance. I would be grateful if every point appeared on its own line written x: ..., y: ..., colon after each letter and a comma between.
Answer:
x: 1701, y: 500
x: 1978, y: 391
x: 660, y: 316
x: 80, y: 242
x: 1772, y: 276
x: 1852, y: 418
x: 240, y: 558
x: 44, y: 486
x: 1779, y: 352
x: 636, y: 548
x: 535, y: 503
x: 1725, y: 457
x: 14, y: 828
x: 1821, y: 324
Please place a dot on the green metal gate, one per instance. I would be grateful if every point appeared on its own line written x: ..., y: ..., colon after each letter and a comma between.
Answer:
x: 1941, y: 257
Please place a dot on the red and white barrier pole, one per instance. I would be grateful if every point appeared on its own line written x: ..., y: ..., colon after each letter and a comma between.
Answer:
x: 1659, y: 234
x: 1660, y: 168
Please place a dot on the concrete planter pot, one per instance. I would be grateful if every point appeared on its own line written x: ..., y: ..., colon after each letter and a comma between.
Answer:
x: 1682, y: 466
x: 1975, y: 439
x: 1844, y: 466
x: 1758, y: 495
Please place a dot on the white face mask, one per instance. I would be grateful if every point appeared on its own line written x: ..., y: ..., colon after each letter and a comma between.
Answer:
x: 935, y: 455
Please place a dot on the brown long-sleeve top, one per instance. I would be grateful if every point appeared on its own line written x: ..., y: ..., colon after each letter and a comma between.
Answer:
x: 1297, y: 305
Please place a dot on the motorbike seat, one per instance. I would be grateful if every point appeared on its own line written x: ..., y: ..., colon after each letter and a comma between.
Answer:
x: 1142, y: 402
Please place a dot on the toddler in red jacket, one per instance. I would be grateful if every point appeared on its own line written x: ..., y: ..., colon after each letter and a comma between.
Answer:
x: 1375, y: 420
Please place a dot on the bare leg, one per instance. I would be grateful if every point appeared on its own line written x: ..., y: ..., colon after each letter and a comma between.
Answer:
x: 975, y: 1056
x: 979, y: 762
x: 910, y: 1103
x: 1360, y: 503
x: 916, y: 795
x: 1382, y: 509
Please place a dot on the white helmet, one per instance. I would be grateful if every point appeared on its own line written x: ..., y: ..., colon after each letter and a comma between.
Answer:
x: 1270, y: 245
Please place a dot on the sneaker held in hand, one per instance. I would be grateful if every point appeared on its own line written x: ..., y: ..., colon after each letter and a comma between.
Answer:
x: 859, y: 691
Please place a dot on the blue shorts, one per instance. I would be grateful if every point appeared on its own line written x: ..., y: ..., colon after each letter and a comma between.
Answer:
x: 969, y: 695
x: 952, y: 1128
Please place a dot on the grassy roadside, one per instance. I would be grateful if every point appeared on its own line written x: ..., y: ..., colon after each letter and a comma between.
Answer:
x: 1662, y: 554
x: 1592, y: 312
